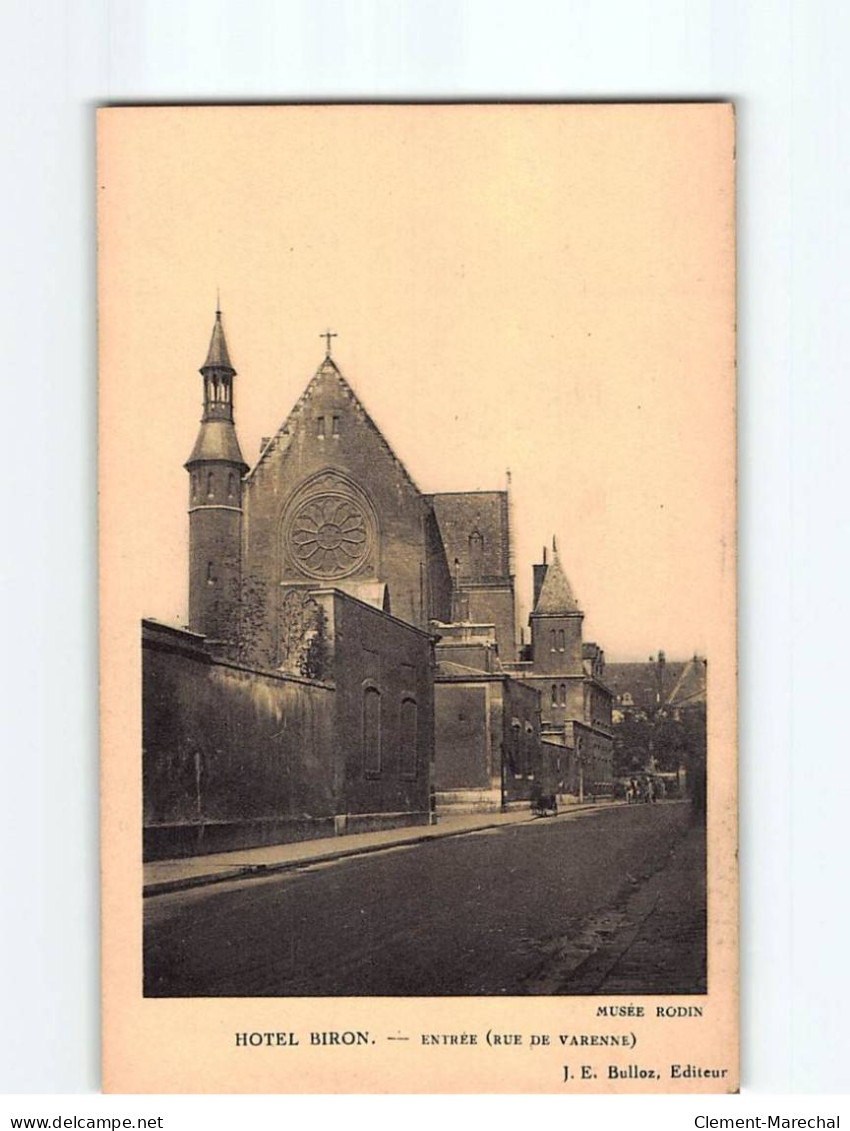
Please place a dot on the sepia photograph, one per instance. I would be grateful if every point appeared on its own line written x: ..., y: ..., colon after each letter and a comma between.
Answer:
x: 418, y: 559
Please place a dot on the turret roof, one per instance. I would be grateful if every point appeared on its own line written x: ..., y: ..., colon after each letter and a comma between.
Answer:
x: 556, y: 594
x: 217, y: 355
x: 217, y: 441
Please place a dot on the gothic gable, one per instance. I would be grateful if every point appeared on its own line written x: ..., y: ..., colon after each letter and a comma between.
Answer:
x: 329, y: 503
x: 314, y: 412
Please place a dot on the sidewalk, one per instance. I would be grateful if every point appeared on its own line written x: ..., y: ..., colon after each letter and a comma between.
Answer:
x: 162, y: 876
x: 661, y: 941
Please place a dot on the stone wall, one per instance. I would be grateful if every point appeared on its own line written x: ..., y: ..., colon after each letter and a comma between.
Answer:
x: 382, y: 669
x: 231, y: 757
x: 487, y: 736
x: 463, y: 735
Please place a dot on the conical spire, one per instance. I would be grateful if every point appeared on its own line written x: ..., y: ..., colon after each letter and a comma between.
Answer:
x: 217, y: 436
x: 556, y: 594
x: 217, y: 355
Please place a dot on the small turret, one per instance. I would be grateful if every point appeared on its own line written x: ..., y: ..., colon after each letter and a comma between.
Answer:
x: 216, y: 468
x: 556, y: 620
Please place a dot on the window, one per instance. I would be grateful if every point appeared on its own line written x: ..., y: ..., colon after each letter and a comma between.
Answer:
x: 372, y: 732
x: 554, y: 695
x: 528, y: 750
x: 210, y: 574
x: 561, y: 640
x: 552, y: 638
x: 320, y: 427
x: 515, y: 752
x: 409, y: 737
x: 563, y: 695
x: 209, y: 485
x: 194, y: 484
x: 231, y: 485
x: 476, y: 548
x: 335, y: 425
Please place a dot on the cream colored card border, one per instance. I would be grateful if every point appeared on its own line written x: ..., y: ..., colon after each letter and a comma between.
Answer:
x: 160, y: 1045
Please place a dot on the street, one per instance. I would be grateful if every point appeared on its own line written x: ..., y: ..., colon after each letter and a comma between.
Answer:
x: 602, y: 901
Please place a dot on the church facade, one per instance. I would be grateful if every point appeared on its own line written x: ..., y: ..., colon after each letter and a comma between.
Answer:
x: 351, y: 655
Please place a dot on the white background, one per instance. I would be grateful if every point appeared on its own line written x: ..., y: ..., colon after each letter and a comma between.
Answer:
x: 784, y: 64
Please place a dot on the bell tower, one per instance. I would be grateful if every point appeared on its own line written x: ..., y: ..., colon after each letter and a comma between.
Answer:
x: 216, y: 468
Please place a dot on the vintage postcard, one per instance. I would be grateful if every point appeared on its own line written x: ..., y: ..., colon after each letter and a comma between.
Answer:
x: 417, y: 505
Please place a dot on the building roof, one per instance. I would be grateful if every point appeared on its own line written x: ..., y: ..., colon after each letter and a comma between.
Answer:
x: 556, y: 594
x: 689, y: 689
x: 217, y: 441
x: 450, y: 668
x: 217, y: 355
x: 639, y: 681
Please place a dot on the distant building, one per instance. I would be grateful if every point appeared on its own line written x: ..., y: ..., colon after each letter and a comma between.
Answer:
x: 642, y: 689
x: 660, y: 720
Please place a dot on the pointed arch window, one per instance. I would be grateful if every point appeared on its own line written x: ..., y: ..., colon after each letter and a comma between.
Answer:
x: 371, y: 731
x: 476, y: 551
x: 409, y: 737
x: 515, y: 753
x: 528, y: 752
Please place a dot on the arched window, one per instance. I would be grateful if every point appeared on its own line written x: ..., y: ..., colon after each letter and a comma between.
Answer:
x: 561, y: 640
x: 371, y: 731
x: 231, y: 485
x: 515, y: 752
x: 210, y: 574
x: 552, y: 638
x: 528, y: 750
x: 563, y: 695
x: 476, y: 551
x: 209, y: 485
x: 554, y: 695
x: 409, y: 737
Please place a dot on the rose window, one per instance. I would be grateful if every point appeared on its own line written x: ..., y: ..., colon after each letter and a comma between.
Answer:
x: 329, y: 536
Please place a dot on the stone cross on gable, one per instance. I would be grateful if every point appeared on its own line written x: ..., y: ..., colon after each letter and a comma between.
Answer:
x: 327, y: 336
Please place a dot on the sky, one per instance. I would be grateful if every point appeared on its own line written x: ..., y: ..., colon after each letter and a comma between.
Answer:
x: 548, y: 289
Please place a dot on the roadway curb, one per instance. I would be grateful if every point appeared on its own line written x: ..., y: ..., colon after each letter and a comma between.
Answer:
x: 257, y: 871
